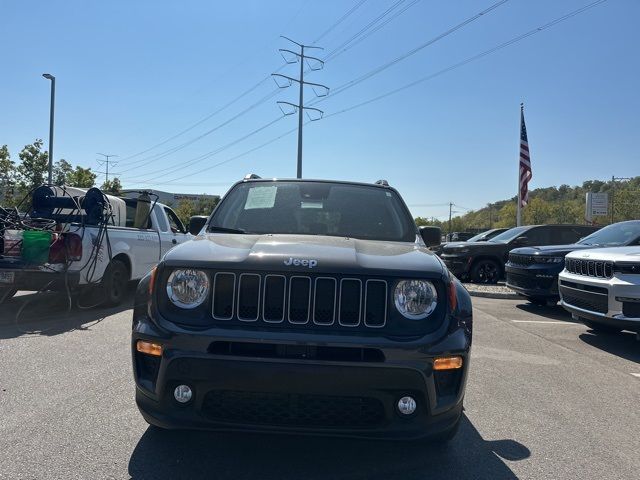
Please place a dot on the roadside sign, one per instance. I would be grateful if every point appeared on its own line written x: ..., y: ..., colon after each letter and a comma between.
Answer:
x: 597, y: 205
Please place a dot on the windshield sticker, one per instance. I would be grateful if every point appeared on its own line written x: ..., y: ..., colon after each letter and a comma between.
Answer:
x: 310, y: 204
x: 261, y: 197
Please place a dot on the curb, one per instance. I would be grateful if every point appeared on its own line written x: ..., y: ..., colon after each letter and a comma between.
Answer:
x: 498, y: 295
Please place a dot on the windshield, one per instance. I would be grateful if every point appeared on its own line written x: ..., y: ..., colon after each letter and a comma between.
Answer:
x: 483, y: 236
x: 315, y: 208
x: 509, y: 235
x: 614, y: 235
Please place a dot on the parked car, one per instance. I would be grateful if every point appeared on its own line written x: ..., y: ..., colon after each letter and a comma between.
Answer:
x: 533, y: 271
x: 480, y: 237
x: 304, y: 306
x: 81, y: 250
x: 459, y: 236
x: 601, y: 288
x: 483, y: 262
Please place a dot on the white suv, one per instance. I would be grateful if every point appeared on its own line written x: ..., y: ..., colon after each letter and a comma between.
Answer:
x: 601, y: 288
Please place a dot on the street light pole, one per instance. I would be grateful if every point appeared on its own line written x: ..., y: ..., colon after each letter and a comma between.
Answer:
x: 48, y: 76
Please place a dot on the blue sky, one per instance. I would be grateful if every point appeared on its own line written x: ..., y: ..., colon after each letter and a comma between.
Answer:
x: 131, y: 74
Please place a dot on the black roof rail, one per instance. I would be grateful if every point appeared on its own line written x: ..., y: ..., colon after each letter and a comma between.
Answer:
x: 384, y: 183
x: 251, y: 176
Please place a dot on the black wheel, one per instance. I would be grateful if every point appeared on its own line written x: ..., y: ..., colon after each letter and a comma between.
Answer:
x: 485, y: 271
x: 114, y: 283
x: 7, y: 293
x: 600, y: 328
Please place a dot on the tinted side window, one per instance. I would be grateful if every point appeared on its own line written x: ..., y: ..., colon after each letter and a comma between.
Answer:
x: 566, y: 235
x: 174, y: 222
x: 538, y: 236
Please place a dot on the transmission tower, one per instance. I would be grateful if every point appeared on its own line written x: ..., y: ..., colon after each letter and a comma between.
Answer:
x: 320, y: 90
x: 106, y: 163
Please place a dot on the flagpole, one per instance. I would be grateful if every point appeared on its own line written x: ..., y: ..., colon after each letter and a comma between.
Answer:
x: 519, y: 208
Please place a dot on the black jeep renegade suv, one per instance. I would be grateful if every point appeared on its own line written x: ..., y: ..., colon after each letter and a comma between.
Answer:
x: 304, y: 306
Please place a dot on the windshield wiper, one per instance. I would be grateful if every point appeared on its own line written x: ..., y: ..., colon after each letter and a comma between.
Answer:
x: 214, y: 228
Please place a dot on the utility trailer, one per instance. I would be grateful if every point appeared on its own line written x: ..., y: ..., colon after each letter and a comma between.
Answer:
x: 75, y: 238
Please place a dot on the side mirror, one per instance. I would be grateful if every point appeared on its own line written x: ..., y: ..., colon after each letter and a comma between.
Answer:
x: 196, y: 223
x: 431, y: 236
x: 521, y: 240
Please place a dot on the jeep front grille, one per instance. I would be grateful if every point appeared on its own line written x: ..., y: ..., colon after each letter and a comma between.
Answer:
x: 300, y: 300
x: 589, y: 268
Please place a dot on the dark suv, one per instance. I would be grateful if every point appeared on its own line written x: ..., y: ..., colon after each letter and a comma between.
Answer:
x: 304, y: 306
x: 483, y: 262
x: 533, y: 271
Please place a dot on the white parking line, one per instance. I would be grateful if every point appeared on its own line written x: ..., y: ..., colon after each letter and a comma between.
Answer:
x: 546, y: 321
x: 636, y: 375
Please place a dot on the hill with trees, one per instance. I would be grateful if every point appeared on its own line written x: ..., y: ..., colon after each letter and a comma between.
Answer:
x: 563, y: 204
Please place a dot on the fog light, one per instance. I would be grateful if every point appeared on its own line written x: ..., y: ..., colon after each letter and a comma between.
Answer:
x: 182, y: 393
x: 406, y: 405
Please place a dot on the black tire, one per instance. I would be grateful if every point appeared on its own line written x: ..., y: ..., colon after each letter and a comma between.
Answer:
x: 7, y: 293
x: 486, y: 271
x: 600, y: 328
x: 114, y: 283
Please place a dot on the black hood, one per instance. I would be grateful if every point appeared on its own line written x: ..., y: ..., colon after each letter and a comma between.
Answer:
x: 551, y: 250
x: 487, y: 246
x: 304, y: 254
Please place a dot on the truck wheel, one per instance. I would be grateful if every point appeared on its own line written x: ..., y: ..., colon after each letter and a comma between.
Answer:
x: 7, y: 293
x: 485, y: 271
x: 600, y: 328
x: 114, y: 282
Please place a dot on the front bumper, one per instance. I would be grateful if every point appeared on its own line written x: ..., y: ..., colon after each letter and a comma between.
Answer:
x: 601, y: 300
x: 253, y: 387
x: 51, y: 277
x: 459, y: 265
x: 539, y: 281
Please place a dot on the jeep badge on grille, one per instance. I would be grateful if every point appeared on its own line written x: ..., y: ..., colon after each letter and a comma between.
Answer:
x: 300, y: 262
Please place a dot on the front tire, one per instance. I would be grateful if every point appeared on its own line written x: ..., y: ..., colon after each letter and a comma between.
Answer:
x: 114, y: 283
x: 600, y: 328
x: 485, y: 271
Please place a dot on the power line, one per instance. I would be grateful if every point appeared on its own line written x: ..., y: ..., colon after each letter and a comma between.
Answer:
x: 339, y: 21
x: 173, y: 150
x: 413, y: 51
x: 470, y: 59
x: 234, y: 100
x: 106, y: 162
x: 243, y: 154
x: 373, y: 29
x: 207, y: 155
x: 423, y: 79
x: 362, y: 31
x: 299, y: 107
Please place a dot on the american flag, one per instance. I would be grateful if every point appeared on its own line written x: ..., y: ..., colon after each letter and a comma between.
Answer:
x: 525, y: 162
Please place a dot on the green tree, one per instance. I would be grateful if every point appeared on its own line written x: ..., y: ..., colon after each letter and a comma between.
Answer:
x: 7, y: 177
x: 185, y: 210
x: 507, y: 215
x: 62, y: 172
x: 112, y: 187
x: 33, y: 168
x: 82, y: 178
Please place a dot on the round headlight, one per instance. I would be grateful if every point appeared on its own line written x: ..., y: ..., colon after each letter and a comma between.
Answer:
x: 187, y: 288
x: 415, y: 299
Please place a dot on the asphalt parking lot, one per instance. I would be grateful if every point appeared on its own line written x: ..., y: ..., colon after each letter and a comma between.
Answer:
x: 546, y: 399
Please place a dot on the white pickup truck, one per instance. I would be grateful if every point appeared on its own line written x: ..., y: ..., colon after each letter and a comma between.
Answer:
x: 109, y: 254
